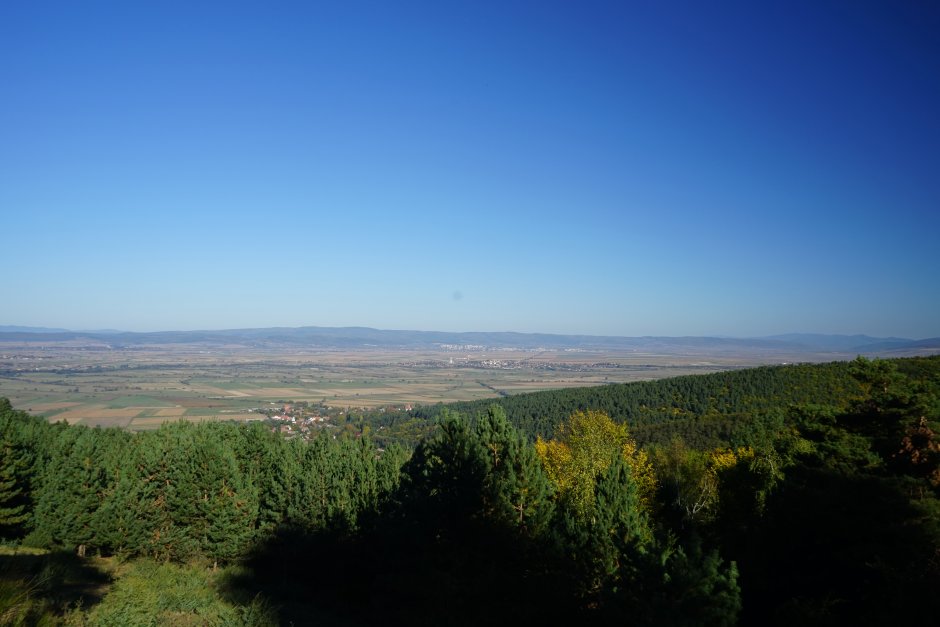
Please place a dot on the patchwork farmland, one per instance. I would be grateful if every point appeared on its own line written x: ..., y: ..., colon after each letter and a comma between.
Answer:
x: 141, y: 388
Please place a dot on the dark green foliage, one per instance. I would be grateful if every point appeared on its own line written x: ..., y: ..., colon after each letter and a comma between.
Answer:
x: 388, y: 468
x: 443, y: 482
x: 598, y: 547
x: 452, y: 548
x: 483, y: 473
x: 183, y: 491
x: 850, y: 535
x: 14, y: 488
x: 332, y: 482
x: 679, y: 586
x: 25, y: 443
x: 263, y: 465
x: 516, y: 493
x: 188, y: 496
x: 818, y: 486
x: 73, y: 484
x: 456, y: 543
x: 839, y: 548
x: 705, y: 410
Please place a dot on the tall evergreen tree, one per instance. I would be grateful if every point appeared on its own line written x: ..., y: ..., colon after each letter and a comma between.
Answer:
x: 598, y: 543
x: 184, y: 497
x: 443, y: 482
x: 516, y: 491
x: 73, y: 486
x: 264, y: 464
x: 14, y: 497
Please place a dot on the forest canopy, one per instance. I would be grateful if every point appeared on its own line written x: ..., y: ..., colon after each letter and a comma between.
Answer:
x: 779, y: 495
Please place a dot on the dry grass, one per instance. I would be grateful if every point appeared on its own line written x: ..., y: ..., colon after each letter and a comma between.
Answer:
x: 169, y: 412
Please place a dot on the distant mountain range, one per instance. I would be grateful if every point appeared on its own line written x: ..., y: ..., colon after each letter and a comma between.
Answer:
x: 16, y: 329
x: 363, y: 337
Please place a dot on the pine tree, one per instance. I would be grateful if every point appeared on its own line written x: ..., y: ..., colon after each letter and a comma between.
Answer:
x: 72, y: 488
x: 310, y: 505
x: 13, y: 489
x: 516, y: 491
x: 599, y: 544
x: 25, y: 442
x: 229, y: 507
x: 443, y: 482
x: 388, y: 469
x: 127, y: 517
x: 267, y: 468
x: 669, y: 585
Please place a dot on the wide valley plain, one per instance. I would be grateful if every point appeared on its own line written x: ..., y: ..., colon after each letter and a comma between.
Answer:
x: 141, y: 387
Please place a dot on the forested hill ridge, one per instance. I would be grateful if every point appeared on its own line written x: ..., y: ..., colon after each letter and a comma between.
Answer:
x: 793, y: 495
x: 705, y: 410
x: 364, y: 337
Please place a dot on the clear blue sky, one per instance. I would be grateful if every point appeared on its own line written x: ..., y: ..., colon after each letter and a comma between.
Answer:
x: 660, y: 168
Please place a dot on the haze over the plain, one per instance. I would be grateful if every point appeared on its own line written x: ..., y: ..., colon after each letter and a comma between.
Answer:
x: 632, y: 169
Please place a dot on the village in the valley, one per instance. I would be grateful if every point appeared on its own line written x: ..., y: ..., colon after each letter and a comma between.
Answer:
x: 306, y: 420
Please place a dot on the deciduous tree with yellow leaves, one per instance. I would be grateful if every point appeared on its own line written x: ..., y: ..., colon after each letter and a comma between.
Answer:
x: 582, y: 450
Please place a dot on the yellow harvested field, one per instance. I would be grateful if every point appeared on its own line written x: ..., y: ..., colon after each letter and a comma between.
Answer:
x: 168, y: 412
x: 267, y: 392
x: 214, y: 417
x: 364, y: 391
x: 99, y: 415
x: 214, y: 391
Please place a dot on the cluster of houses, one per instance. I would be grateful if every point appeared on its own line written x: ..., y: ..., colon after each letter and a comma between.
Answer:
x: 297, y: 423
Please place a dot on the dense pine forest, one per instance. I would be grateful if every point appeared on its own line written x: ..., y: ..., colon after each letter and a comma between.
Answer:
x: 805, y: 494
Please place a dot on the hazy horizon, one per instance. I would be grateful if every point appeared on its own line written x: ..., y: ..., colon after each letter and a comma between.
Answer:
x: 628, y: 170
x: 453, y: 331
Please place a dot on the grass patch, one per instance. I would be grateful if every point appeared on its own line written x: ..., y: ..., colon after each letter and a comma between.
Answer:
x: 152, y: 593
x: 42, y: 588
x: 38, y: 587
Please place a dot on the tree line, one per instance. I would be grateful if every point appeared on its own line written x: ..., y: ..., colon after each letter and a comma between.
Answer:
x: 184, y: 490
x: 705, y: 410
